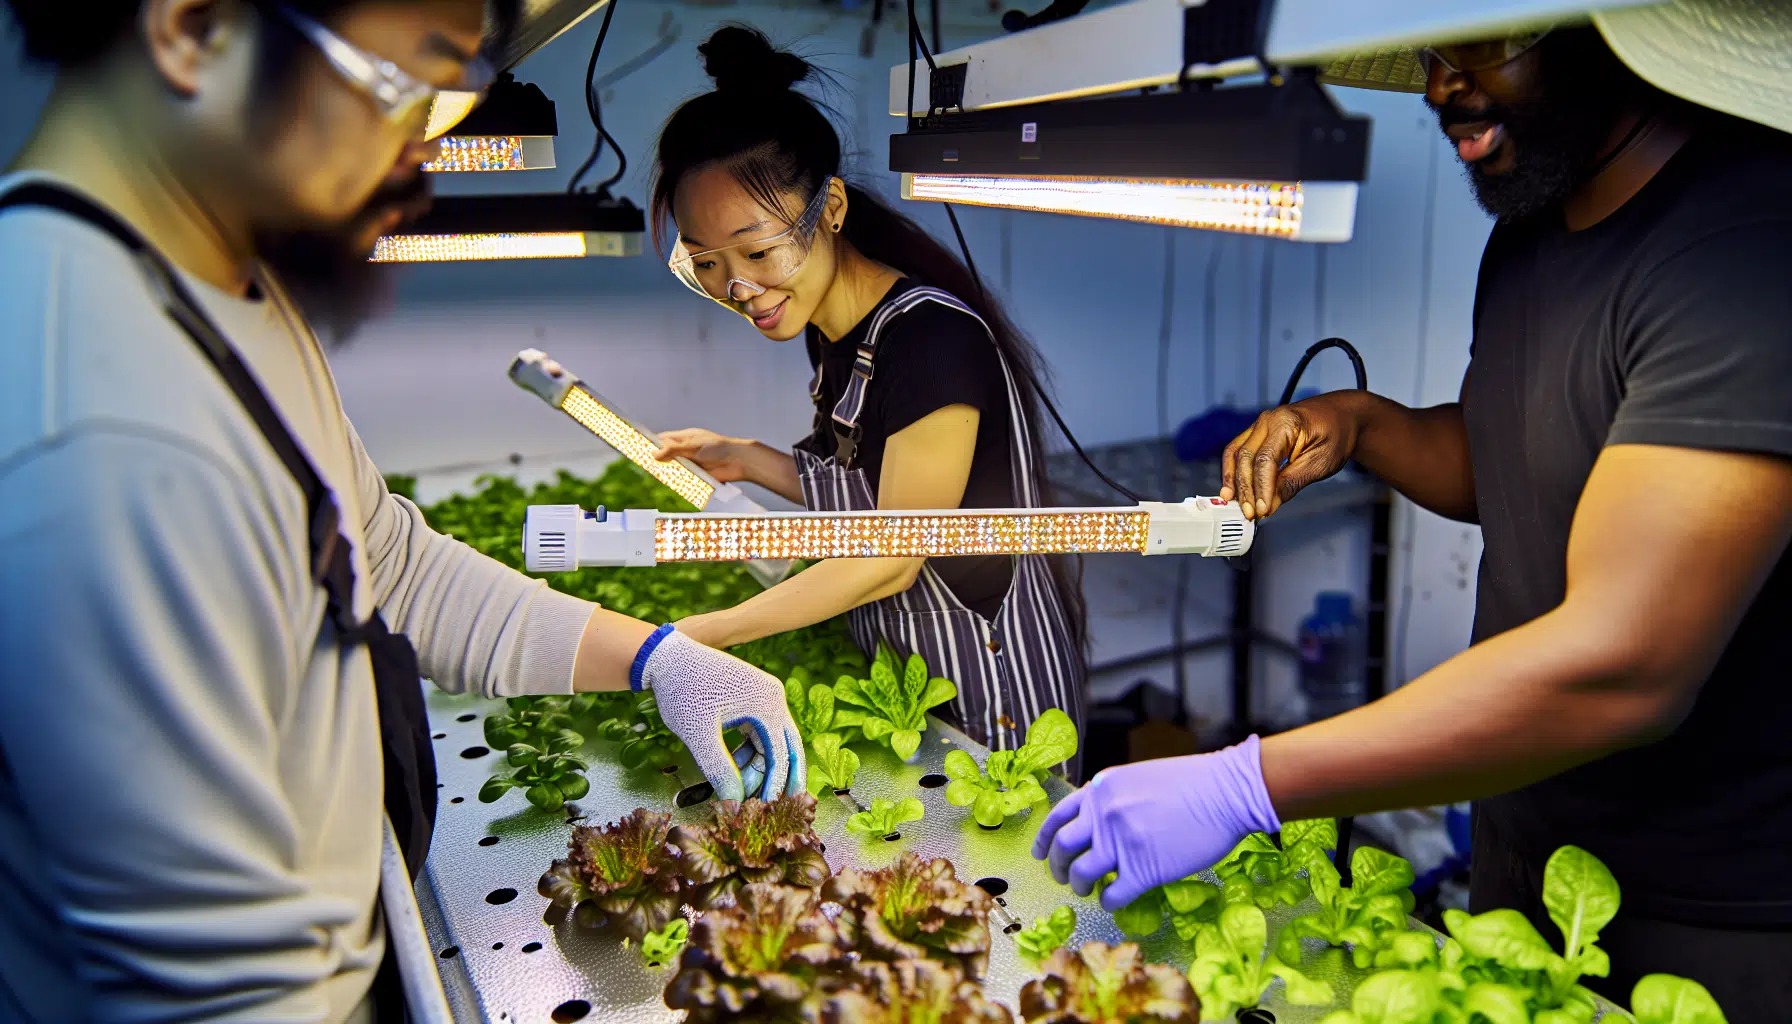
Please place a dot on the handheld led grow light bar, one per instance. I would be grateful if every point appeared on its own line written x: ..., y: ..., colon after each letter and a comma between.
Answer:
x: 561, y: 538
x: 562, y: 389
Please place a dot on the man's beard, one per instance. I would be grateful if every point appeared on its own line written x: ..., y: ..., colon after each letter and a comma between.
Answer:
x: 327, y: 272
x: 1558, y: 141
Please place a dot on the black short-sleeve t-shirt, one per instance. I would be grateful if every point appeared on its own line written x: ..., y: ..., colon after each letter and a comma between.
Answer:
x: 928, y: 358
x: 1668, y: 323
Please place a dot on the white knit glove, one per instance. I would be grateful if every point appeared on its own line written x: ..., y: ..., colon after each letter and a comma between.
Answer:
x: 701, y: 692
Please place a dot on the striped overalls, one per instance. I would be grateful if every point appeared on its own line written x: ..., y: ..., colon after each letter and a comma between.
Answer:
x: 1008, y: 671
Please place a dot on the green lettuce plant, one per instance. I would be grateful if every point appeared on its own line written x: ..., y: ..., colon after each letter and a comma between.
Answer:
x: 1362, y: 916
x: 1047, y: 934
x: 1188, y: 904
x: 816, y: 711
x: 1010, y: 781
x: 1666, y: 999
x: 911, y: 992
x: 911, y: 910
x: 1581, y: 897
x: 754, y: 841
x: 1259, y: 872
x: 831, y: 764
x: 637, y: 725
x: 549, y: 777
x: 531, y: 720
x: 1102, y: 984
x: 773, y: 956
x: 1232, y: 971
x: 663, y: 946
x: 621, y: 873
x: 884, y: 816
x: 894, y: 709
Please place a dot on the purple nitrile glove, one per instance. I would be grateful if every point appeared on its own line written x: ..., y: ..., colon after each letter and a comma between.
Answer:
x: 1156, y: 822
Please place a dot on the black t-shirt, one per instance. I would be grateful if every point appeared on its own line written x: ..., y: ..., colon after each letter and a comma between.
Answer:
x: 1668, y: 323
x: 928, y: 358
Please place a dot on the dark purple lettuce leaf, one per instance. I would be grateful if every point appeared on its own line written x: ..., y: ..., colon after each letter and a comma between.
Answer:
x: 909, y: 991
x: 913, y: 909
x: 622, y: 873
x: 773, y: 956
x: 752, y: 842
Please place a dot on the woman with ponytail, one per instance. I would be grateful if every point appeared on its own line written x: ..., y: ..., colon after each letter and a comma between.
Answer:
x: 926, y: 396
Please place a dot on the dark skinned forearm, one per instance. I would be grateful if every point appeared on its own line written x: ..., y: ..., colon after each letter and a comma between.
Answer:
x: 1422, y: 453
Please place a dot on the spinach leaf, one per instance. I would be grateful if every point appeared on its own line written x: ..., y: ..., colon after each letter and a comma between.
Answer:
x: 1666, y: 999
x: 884, y: 816
x: 1010, y: 780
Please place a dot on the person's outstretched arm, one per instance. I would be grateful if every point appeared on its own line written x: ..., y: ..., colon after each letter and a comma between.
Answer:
x: 1422, y: 453
x: 480, y: 625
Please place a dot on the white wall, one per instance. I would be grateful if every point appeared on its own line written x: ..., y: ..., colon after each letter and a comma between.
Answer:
x: 426, y: 385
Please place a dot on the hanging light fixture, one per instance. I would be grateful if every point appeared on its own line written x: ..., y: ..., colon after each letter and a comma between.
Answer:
x: 511, y: 227
x: 512, y: 130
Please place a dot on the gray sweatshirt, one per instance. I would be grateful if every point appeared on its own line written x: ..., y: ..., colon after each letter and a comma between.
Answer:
x: 190, y: 815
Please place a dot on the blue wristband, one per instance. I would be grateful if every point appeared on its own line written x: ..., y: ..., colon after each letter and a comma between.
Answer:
x: 635, y: 682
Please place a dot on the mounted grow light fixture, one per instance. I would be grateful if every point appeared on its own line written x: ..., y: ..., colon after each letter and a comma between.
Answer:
x: 510, y: 227
x: 562, y: 389
x: 561, y: 538
x: 1274, y: 159
x: 512, y: 130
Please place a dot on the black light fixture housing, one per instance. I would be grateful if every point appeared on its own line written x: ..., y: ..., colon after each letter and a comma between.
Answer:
x: 534, y: 226
x: 1293, y: 132
x: 512, y: 129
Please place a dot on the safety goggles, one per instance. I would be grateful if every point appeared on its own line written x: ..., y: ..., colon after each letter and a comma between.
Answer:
x: 400, y: 97
x: 738, y: 272
x: 1464, y: 58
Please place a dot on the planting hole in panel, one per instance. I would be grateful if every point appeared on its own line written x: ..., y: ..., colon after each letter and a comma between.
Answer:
x: 474, y: 753
x: 439, y: 736
x: 499, y: 897
x: 993, y: 886
x: 571, y: 1010
x: 450, y: 953
x: 468, y: 717
x: 691, y: 796
x: 497, y: 945
x: 933, y: 780
x: 892, y: 837
x: 531, y: 947
x: 457, y: 800
x: 670, y: 769
x: 489, y: 841
x: 1256, y: 1015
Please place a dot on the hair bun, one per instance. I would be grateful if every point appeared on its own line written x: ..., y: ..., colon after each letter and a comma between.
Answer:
x: 743, y: 60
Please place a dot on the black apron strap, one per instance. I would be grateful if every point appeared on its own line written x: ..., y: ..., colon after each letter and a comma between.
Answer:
x: 410, y: 766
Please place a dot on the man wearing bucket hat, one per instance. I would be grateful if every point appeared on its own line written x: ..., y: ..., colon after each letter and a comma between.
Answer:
x: 1624, y: 438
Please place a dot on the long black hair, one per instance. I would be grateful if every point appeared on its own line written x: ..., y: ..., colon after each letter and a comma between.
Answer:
x: 776, y: 141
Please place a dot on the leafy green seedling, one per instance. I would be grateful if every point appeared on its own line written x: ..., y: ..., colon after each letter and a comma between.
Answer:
x: 1502, y: 945
x: 884, y: 816
x: 1363, y: 915
x: 662, y: 947
x: 1010, y: 780
x: 1192, y: 903
x: 1047, y: 934
x: 549, y: 777
x: 1666, y: 999
x: 1408, y: 996
x: 895, y: 709
x: 642, y: 733
x: 528, y: 720
x: 1259, y: 872
x: 816, y: 711
x: 1231, y: 971
x: 831, y: 764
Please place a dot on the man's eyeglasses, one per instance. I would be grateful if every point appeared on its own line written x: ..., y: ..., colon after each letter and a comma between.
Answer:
x: 1463, y: 58
x: 400, y: 96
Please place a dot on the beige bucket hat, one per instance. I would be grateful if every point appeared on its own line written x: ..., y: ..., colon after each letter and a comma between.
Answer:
x: 1730, y: 55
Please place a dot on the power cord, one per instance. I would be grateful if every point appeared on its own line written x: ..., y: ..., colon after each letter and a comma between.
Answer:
x: 594, y: 108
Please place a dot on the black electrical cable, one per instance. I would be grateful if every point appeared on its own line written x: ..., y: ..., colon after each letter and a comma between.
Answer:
x: 1346, y: 825
x: 594, y: 108
x: 1356, y: 365
x: 915, y: 41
